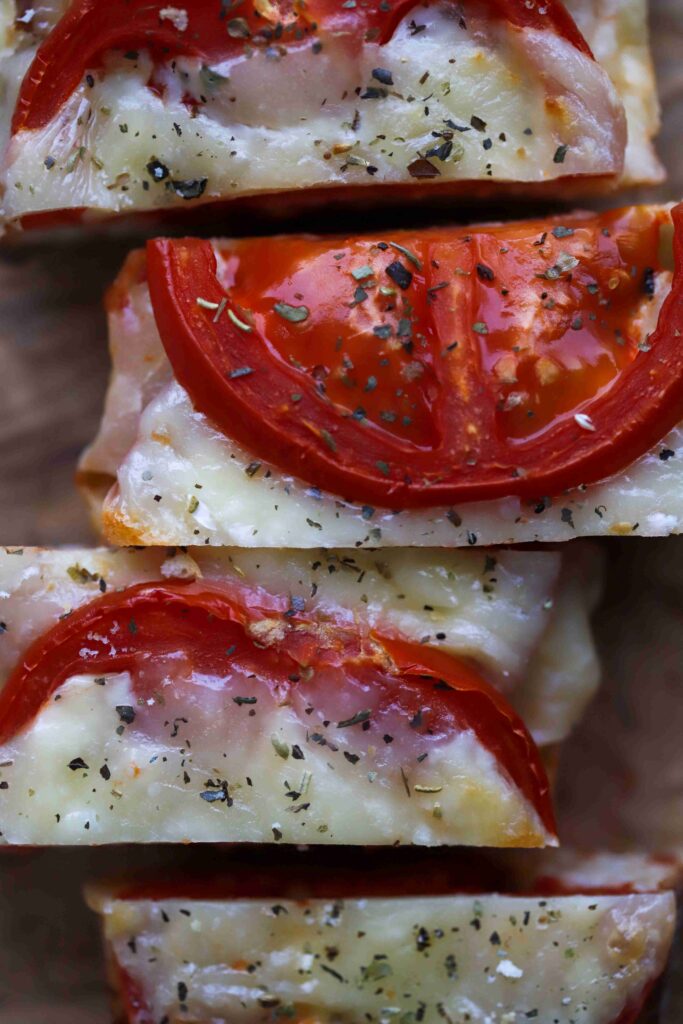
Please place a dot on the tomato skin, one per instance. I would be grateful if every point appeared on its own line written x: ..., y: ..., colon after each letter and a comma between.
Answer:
x: 208, y: 626
x: 133, y: 1003
x: 460, y: 449
x: 632, y: 1011
x: 527, y: 773
x: 92, y: 28
x: 56, y: 655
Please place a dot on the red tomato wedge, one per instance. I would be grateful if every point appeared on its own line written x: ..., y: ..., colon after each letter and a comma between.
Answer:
x: 207, y: 628
x: 215, y: 31
x: 419, y: 370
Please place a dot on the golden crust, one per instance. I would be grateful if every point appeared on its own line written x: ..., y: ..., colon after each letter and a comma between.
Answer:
x: 120, y: 533
x: 99, y: 490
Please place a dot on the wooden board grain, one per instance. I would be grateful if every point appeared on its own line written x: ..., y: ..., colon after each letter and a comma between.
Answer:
x: 53, y: 369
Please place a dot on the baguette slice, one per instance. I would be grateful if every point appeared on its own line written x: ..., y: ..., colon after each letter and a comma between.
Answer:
x: 557, y: 337
x: 154, y: 108
x: 232, y: 696
x: 250, y: 945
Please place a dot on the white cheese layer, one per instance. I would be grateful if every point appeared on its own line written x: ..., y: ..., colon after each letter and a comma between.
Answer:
x: 619, y: 36
x: 569, y: 870
x: 487, y: 960
x: 194, y: 765
x: 520, y: 616
x: 270, y: 125
x: 158, y: 448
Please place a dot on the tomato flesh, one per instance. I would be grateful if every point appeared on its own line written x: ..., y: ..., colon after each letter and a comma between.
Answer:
x: 92, y: 29
x: 555, y: 339
x: 437, y: 367
x: 357, y: 343
x: 206, y: 628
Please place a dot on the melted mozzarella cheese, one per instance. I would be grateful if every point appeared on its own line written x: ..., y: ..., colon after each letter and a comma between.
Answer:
x: 619, y: 36
x: 157, y: 448
x: 249, y: 137
x: 561, y: 959
x: 520, y: 616
x: 570, y: 870
x: 196, y: 766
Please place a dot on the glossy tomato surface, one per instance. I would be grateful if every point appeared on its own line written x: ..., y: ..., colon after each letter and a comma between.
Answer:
x: 420, y: 369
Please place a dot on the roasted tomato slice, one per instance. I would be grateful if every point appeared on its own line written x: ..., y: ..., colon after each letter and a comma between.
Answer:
x: 213, y: 31
x: 208, y: 629
x: 445, y: 366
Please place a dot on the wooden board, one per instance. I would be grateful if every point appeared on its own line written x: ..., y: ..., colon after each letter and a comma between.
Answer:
x: 53, y: 368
